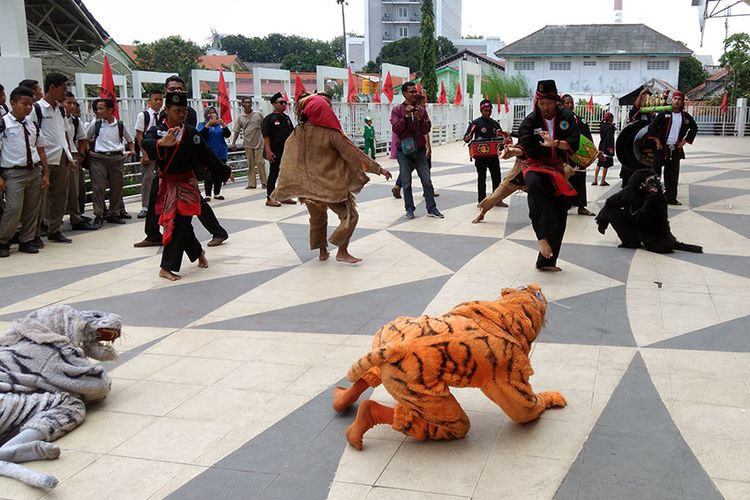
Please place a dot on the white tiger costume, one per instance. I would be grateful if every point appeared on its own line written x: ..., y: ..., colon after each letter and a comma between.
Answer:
x: 45, y: 377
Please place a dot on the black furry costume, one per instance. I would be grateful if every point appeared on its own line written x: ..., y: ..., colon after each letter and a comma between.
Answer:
x: 638, y: 214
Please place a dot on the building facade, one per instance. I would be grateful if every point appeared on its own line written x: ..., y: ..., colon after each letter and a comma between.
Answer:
x: 390, y: 20
x: 610, y: 59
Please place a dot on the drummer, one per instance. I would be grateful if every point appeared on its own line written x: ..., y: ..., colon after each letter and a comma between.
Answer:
x: 578, y: 181
x: 485, y: 128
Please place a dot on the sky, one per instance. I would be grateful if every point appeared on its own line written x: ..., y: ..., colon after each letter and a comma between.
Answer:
x: 508, y: 19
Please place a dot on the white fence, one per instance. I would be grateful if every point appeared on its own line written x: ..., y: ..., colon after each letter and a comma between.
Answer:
x: 449, y: 122
x: 734, y: 122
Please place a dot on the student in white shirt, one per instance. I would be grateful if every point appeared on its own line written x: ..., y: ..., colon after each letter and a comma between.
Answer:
x: 49, y: 117
x: 145, y: 120
x: 107, y: 137
x: 23, y: 173
x: 76, y: 132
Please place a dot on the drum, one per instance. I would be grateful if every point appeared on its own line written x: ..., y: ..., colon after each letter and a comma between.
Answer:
x: 486, y: 148
x: 586, y: 153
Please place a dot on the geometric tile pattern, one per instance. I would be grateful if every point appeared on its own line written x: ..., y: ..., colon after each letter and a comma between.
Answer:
x: 224, y: 383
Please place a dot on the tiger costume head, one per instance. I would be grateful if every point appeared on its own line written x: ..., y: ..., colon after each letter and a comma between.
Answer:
x: 530, y: 300
x: 91, y: 331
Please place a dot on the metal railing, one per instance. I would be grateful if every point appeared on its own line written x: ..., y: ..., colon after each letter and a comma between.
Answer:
x: 448, y: 125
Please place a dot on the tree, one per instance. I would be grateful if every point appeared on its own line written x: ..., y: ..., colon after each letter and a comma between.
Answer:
x: 404, y: 52
x: 371, y: 67
x: 736, y: 60
x: 692, y: 73
x: 496, y: 85
x: 428, y: 52
x: 444, y: 48
x: 315, y: 53
x: 169, y: 54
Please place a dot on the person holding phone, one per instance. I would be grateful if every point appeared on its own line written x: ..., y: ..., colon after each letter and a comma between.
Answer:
x: 411, y: 124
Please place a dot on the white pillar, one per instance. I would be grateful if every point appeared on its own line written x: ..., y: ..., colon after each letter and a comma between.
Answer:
x: 16, y: 63
x: 741, y: 118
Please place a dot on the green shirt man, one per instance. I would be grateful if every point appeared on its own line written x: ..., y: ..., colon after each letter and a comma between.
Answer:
x: 369, y: 135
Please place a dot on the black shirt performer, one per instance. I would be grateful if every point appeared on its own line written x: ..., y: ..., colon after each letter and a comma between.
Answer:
x: 276, y: 128
x: 179, y: 152
x: 671, y: 131
x: 547, y: 137
x: 485, y: 128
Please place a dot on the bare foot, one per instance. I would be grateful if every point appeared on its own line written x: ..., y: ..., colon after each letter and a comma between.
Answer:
x: 324, y: 254
x: 479, y: 218
x: 202, y: 260
x: 545, y: 249
x: 163, y: 273
x: 344, y: 256
x: 552, y: 269
x: 363, y: 423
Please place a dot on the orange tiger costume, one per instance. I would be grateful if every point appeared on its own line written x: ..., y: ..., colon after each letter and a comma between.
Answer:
x: 483, y: 344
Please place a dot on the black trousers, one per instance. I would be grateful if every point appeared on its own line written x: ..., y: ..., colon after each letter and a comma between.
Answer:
x: 82, y: 191
x: 207, y: 217
x: 214, y: 184
x: 273, y: 175
x: 671, y: 166
x: 183, y: 240
x: 482, y: 164
x: 548, y: 213
x: 578, y: 181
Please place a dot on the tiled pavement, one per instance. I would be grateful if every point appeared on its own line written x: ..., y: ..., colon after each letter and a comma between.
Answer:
x: 223, y: 387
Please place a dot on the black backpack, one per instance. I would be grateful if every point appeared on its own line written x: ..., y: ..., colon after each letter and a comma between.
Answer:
x: 40, y: 115
x: 146, y: 120
x: 98, y: 128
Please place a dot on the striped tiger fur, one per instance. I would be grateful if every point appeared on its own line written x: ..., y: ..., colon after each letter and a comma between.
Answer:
x: 45, y: 377
x: 482, y: 344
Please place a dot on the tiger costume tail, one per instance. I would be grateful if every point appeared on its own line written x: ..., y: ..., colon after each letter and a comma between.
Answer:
x: 375, y: 358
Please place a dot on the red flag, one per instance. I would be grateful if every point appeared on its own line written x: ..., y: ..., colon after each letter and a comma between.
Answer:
x: 352, y: 88
x: 419, y: 88
x: 459, y: 96
x: 499, y: 109
x: 286, y: 96
x: 107, y: 90
x: 388, y: 87
x: 590, y: 105
x: 376, y: 94
x: 507, y: 108
x: 225, y: 108
x: 299, y: 87
x: 442, y: 99
x: 724, y: 103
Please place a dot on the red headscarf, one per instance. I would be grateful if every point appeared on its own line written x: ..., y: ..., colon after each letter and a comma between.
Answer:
x: 317, y: 110
x: 677, y: 93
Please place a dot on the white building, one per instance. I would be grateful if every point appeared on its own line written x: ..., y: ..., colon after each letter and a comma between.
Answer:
x: 390, y: 20
x: 600, y: 59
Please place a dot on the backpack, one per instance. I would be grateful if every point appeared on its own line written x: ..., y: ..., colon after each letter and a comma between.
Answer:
x: 98, y: 128
x: 146, y: 120
x: 40, y: 115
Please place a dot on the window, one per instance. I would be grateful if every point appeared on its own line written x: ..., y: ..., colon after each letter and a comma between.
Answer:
x: 657, y: 65
x: 402, y: 12
x: 403, y: 32
x: 619, y: 65
x: 559, y: 65
x: 589, y: 63
x: 523, y: 65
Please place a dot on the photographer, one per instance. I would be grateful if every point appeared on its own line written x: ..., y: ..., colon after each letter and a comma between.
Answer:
x: 411, y: 124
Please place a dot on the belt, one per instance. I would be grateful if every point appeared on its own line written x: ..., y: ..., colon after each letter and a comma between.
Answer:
x: 23, y: 167
x: 110, y: 153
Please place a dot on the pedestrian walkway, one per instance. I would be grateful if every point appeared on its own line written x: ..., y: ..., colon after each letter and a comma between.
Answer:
x: 223, y: 386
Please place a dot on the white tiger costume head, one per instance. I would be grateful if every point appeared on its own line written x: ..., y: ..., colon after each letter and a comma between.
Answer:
x: 92, y: 331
